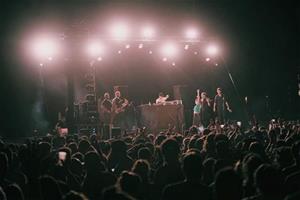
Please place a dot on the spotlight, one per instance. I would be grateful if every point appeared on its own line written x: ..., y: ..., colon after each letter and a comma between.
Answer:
x: 150, y: 52
x: 169, y: 50
x: 148, y: 32
x: 41, y: 64
x: 94, y: 48
x: 173, y: 63
x: 207, y: 59
x: 216, y: 64
x: 164, y: 59
x: 119, y: 52
x: 186, y: 47
x: 127, y: 46
x: 45, y: 47
x: 119, y: 31
x: 141, y: 46
x: 212, y: 50
x: 99, y: 58
x: 50, y: 58
x: 191, y: 33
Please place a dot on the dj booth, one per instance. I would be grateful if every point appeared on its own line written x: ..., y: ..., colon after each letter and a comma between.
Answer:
x: 159, y: 117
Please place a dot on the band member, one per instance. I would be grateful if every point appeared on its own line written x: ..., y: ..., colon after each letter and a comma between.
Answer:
x: 205, y: 109
x: 221, y: 106
x: 161, y: 98
x: 119, y: 105
x: 201, y: 109
x: 197, y: 108
x: 105, y: 108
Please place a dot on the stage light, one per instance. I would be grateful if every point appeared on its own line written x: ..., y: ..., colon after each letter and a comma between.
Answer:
x: 164, y: 59
x: 191, y: 33
x: 150, y: 52
x: 186, y: 47
x: 41, y: 64
x: 95, y: 48
x: 216, y: 64
x: 45, y: 47
x: 119, y: 52
x: 207, y: 59
x: 127, y: 46
x: 120, y: 31
x: 99, y: 58
x: 50, y: 58
x: 141, y: 46
x: 173, y: 63
x: 169, y: 50
x: 148, y: 32
x: 212, y: 50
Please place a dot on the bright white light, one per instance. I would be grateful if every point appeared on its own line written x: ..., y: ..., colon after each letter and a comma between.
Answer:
x: 169, y: 50
x: 173, y: 63
x: 186, y: 47
x: 41, y: 64
x: 95, y: 48
x: 119, y: 52
x: 120, y: 31
x: 45, y: 47
x: 207, y: 59
x: 99, y: 58
x: 148, y: 32
x: 150, y: 52
x: 127, y: 46
x: 141, y: 46
x: 191, y: 33
x: 216, y: 64
x: 50, y: 58
x: 164, y: 59
x: 212, y: 50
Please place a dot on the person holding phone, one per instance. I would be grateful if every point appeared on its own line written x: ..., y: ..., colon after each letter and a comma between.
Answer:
x: 221, y: 106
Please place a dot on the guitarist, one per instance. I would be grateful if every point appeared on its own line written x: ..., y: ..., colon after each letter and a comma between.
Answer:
x: 119, y: 105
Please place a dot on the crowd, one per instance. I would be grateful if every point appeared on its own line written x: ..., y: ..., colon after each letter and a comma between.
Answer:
x: 221, y: 162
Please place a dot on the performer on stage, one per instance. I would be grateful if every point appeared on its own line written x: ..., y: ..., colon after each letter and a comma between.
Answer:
x: 221, y: 106
x: 119, y: 105
x: 205, y: 109
x: 161, y: 98
x: 197, y: 108
x: 201, y: 109
x: 105, y: 108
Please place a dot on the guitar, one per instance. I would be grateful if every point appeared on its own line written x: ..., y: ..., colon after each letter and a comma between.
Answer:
x: 197, y: 107
x: 122, y: 108
x: 116, y: 111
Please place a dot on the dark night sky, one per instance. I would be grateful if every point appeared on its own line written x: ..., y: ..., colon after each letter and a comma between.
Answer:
x: 261, y: 40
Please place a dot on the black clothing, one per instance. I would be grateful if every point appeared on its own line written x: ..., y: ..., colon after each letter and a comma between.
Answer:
x: 204, y: 112
x: 186, y: 190
x: 119, y: 118
x: 106, y: 106
x: 220, y: 102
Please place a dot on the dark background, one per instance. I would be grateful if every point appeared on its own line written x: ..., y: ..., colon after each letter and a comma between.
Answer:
x: 259, y: 40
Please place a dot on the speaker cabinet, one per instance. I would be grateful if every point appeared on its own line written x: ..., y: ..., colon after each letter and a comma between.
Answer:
x: 116, y: 132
